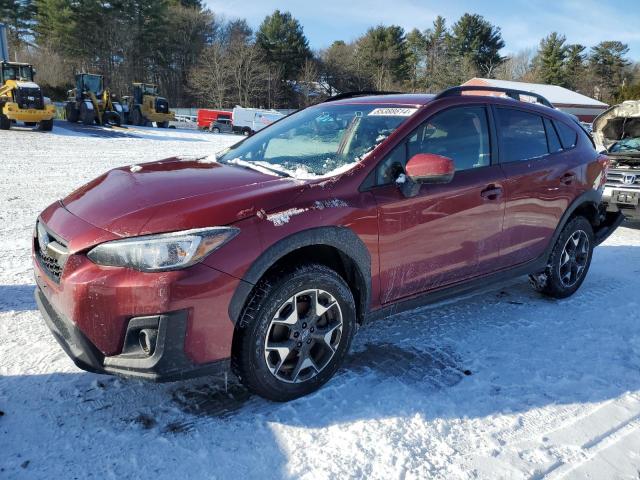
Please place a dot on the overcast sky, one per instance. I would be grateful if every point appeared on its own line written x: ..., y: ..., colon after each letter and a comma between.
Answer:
x: 523, y: 22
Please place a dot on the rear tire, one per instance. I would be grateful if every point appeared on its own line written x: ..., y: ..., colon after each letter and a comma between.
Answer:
x: 111, y: 118
x: 137, y: 119
x: 5, y: 123
x: 72, y: 114
x: 281, y: 353
x: 87, y: 117
x: 45, y: 125
x: 569, y: 261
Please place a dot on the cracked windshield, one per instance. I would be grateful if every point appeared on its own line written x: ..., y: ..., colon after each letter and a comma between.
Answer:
x: 319, y: 141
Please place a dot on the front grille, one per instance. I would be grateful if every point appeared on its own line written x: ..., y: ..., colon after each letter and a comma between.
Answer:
x: 624, y: 178
x: 51, y: 253
x: 29, y: 98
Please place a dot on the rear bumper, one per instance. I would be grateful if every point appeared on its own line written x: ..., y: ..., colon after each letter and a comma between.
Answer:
x: 612, y: 221
x: 13, y: 112
x: 168, y: 362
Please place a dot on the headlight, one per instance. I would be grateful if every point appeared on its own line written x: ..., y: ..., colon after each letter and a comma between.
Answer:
x: 167, y: 251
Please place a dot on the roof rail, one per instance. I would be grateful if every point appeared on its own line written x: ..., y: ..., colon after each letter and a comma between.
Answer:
x: 361, y: 93
x: 509, y: 92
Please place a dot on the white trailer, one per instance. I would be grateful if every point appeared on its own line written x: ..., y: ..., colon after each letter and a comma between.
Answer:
x: 249, y: 120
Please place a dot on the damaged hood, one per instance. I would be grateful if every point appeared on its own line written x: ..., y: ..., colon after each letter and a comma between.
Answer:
x: 175, y: 194
x: 618, y: 122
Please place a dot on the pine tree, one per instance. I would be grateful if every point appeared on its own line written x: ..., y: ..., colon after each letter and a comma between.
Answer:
x: 607, y: 61
x: 384, y: 53
x: 18, y: 16
x: 478, y: 41
x: 282, y: 40
x: 416, y: 48
x: 549, y: 63
x: 575, y: 65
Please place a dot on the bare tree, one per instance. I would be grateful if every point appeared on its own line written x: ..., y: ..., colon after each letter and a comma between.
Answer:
x: 516, y: 67
x: 210, y: 80
x: 308, y: 80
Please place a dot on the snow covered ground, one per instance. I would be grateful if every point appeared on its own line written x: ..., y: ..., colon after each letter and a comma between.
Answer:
x: 499, y: 384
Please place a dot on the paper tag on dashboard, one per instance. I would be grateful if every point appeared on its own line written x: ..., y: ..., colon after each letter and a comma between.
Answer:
x: 392, y: 112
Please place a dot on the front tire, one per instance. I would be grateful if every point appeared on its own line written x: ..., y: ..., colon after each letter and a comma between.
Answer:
x: 294, y: 333
x: 45, y: 125
x: 5, y: 123
x: 569, y: 261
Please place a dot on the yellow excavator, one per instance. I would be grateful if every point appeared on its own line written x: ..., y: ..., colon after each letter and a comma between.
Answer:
x: 91, y: 103
x: 21, y: 99
x: 146, y: 106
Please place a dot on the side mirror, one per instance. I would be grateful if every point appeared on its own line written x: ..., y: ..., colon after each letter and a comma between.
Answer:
x: 426, y: 168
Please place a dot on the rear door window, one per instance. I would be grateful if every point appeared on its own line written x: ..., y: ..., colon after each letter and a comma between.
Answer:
x: 522, y: 135
x: 568, y: 135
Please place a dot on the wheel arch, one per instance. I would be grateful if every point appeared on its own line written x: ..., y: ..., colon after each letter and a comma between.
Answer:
x: 587, y: 205
x: 339, y: 248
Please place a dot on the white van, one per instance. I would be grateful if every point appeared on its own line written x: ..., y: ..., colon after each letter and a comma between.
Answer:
x: 249, y: 120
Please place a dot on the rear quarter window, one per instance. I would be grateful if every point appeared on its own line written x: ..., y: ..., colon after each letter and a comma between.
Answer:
x: 522, y: 135
x: 552, y: 137
x: 568, y: 136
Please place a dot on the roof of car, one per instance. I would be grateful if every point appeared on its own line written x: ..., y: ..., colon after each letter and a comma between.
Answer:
x: 389, y: 99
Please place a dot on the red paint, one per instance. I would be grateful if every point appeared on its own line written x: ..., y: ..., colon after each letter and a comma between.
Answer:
x: 484, y: 220
x: 206, y: 116
x: 430, y: 166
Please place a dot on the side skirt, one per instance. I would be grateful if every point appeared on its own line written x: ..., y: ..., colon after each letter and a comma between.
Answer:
x: 493, y: 279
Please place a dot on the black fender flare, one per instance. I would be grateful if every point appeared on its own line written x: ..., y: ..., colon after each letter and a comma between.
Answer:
x: 343, y: 239
x: 591, y: 198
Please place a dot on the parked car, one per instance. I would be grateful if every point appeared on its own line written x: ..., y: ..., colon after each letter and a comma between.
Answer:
x: 207, y: 116
x: 247, y: 121
x: 222, y: 125
x: 267, y: 258
x: 617, y: 132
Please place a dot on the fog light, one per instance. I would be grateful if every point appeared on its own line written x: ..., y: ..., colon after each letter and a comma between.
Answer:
x: 147, y: 338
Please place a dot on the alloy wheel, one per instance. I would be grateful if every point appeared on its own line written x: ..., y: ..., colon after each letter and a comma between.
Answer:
x: 303, y: 336
x: 574, y: 258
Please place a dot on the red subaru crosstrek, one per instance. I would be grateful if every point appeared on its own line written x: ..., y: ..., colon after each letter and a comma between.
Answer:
x: 268, y: 256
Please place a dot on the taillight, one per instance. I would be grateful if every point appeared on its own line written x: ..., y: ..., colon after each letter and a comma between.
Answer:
x: 604, y: 162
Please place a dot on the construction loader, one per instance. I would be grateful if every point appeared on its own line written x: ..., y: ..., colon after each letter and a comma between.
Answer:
x: 21, y: 99
x: 146, y: 106
x: 91, y: 103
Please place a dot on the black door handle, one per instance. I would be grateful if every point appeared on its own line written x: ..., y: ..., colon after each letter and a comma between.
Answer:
x: 492, y: 192
x: 568, y: 178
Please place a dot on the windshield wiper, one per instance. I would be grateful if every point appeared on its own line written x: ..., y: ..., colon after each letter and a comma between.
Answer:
x: 259, y: 167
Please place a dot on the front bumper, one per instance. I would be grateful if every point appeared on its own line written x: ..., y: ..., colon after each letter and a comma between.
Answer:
x: 630, y: 211
x: 13, y: 112
x: 168, y: 362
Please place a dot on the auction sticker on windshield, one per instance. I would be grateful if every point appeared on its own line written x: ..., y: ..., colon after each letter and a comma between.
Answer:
x: 392, y: 112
